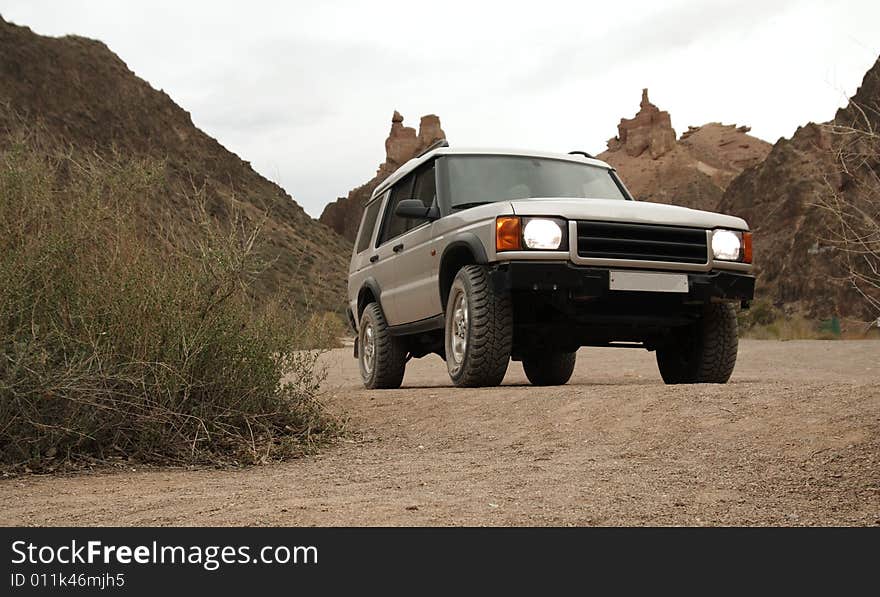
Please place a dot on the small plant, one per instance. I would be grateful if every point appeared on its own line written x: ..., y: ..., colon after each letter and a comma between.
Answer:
x: 760, y: 313
x: 773, y: 325
x: 118, y: 342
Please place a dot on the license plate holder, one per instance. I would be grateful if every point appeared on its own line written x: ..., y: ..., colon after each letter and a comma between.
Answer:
x: 647, y: 281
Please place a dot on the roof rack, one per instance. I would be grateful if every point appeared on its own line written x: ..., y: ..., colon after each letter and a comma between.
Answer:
x: 583, y: 153
x: 433, y: 146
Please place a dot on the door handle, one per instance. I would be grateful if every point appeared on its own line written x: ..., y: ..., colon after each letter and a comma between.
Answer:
x: 397, y: 248
x: 374, y: 259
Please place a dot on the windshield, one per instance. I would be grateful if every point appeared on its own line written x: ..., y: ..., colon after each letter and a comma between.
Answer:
x: 477, y: 179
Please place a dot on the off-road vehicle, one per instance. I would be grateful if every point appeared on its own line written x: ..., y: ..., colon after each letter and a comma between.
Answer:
x: 481, y: 256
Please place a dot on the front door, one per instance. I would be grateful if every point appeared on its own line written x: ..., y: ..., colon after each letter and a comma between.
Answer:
x: 418, y: 263
x: 408, y: 272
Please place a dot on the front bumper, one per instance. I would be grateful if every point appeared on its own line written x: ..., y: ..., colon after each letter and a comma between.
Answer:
x: 592, y: 282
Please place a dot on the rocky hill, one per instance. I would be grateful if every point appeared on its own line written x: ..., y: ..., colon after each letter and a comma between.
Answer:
x: 403, y: 144
x: 692, y: 171
x: 801, y: 266
x: 84, y: 96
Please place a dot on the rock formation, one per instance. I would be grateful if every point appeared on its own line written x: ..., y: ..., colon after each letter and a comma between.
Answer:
x: 800, y: 267
x: 403, y: 144
x: 651, y: 130
x: 693, y: 171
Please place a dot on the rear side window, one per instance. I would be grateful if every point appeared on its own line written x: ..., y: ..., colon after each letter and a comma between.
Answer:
x: 371, y: 213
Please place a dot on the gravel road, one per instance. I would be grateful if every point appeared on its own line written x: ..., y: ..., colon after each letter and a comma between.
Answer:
x: 794, y: 439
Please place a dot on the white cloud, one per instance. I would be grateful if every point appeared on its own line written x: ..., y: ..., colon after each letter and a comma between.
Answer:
x: 305, y: 91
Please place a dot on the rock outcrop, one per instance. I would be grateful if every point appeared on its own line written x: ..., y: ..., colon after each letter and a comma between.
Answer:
x: 693, y: 171
x: 403, y: 144
x: 650, y: 130
x: 83, y: 96
x: 800, y: 266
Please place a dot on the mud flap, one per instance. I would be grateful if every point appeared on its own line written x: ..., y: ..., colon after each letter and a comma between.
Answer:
x: 356, y: 347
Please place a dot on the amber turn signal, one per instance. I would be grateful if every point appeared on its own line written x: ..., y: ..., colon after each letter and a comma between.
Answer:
x: 747, y: 247
x: 508, y: 234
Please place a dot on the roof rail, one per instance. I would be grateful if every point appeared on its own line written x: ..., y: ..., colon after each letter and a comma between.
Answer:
x: 433, y: 146
x: 583, y: 153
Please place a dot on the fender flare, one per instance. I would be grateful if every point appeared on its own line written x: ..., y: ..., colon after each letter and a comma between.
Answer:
x: 471, y: 241
x: 467, y: 240
x: 373, y: 286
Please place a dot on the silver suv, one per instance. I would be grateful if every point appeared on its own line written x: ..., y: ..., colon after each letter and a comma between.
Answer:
x: 481, y: 256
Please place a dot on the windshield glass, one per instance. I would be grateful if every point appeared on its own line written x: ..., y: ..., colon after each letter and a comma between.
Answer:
x: 476, y: 179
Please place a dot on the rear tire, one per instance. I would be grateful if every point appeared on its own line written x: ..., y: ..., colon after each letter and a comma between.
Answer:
x: 381, y: 357
x: 704, y: 352
x: 551, y: 369
x: 479, y: 330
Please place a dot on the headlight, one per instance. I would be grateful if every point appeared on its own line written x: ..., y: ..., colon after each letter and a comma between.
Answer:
x: 539, y: 233
x: 727, y: 245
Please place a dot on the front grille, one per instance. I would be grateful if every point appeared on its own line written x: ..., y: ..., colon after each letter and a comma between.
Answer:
x: 641, y: 242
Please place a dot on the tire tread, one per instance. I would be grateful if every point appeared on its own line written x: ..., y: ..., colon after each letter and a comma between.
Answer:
x: 389, y: 363
x: 711, y: 358
x: 552, y: 369
x: 490, y: 338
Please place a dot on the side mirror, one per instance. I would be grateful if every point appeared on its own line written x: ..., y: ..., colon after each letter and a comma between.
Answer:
x: 413, y: 208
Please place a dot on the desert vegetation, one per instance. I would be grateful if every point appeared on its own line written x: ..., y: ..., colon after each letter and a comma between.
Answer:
x: 118, y: 342
x: 765, y: 321
x: 853, y: 200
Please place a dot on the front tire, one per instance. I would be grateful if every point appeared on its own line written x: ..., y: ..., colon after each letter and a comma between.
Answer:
x: 381, y: 357
x: 704, y: 352
x: 479, y: 330
x: 550, y: 369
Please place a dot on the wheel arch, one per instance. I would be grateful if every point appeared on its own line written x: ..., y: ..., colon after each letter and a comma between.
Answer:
x: 369, y: 293
x: 466, y: 249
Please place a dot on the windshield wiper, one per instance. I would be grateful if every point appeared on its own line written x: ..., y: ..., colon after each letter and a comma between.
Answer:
x: 471, y: 204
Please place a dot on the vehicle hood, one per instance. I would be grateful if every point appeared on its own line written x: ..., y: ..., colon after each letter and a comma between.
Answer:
x: 616, y: 210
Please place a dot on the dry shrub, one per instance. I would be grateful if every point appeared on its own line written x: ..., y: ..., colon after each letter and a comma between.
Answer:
x: 764, y: 321
x: 114, y: 347
x: 788, y: 328
x: 760, y: 313
x: 852, y: 199
x: 326, y: 329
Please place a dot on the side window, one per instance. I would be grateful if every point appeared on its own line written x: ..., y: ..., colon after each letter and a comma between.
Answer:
x: 371, y: 214
x: 426, y: 186
x: 394, y: 225
x: 420, y: 185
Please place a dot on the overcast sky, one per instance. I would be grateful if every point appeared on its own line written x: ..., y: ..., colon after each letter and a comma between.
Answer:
x: 305, y: 90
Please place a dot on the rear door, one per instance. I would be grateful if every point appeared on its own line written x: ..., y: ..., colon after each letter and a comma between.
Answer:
x: 364, y: 248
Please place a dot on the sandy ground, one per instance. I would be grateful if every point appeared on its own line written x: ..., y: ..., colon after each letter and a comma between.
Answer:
x: 794, y: 439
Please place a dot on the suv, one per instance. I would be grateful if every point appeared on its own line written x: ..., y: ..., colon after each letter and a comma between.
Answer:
x: 481, y: 256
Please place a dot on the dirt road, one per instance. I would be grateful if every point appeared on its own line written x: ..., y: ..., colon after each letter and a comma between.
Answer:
x: 794, y: 439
